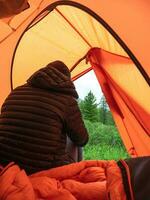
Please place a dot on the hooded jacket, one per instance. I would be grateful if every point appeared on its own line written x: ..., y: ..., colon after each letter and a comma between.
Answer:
x: 36, y: 117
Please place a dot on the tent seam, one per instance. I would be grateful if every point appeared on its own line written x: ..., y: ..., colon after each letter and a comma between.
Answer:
x: 76, y: 30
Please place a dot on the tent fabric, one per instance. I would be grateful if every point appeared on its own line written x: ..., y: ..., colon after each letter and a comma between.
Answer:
x: 74, y: 26
x: 35, y: 37
x: 120, y: 80
x: 125, y: 14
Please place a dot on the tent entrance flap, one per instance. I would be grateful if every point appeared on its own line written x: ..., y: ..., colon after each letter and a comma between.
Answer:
x: 129, y: 91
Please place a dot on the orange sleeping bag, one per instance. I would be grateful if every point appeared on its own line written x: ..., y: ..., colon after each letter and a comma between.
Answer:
x: 85, y: 180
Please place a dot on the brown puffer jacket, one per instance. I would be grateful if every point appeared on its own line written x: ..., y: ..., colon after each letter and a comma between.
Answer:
x: 36, y: 117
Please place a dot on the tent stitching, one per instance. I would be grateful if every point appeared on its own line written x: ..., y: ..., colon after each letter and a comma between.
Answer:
x: 85, y: 40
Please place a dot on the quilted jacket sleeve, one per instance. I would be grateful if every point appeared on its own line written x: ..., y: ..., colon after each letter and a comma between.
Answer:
x: 75, y: 127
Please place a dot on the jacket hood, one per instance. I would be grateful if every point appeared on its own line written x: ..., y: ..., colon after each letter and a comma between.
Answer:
x: 55, y: 77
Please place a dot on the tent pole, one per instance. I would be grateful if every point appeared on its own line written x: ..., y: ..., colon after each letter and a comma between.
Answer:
x: 74, y: 66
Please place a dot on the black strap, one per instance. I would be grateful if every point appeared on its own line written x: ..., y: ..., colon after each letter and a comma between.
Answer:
x: 125, y: 180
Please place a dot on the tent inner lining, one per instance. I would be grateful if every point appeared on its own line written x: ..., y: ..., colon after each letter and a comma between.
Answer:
x: 85, y: 40
x: 99, y: 19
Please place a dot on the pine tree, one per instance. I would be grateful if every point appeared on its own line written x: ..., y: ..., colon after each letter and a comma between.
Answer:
x: 88, y: 107
x: 105, y: 115
x: 110, y: 120
x: 103, y: 110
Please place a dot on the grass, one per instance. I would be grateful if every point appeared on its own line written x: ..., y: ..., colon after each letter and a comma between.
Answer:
x: 104, y: 143
x: 104, y: 152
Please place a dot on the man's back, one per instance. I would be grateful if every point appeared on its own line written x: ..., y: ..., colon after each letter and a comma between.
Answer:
x: 31, y: 127
x: 34, y: 122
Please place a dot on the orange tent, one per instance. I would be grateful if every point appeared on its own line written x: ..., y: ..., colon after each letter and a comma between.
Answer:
x: 114, y: 36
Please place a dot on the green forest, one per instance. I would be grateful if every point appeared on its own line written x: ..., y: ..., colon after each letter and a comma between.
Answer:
x: 104, y: 140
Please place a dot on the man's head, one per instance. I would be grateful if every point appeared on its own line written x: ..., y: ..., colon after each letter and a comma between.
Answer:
x: 54, y: 74
x: 60, y: 66
x: 54, y: 77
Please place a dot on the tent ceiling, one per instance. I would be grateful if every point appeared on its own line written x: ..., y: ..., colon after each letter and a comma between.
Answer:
x: 66, y: 34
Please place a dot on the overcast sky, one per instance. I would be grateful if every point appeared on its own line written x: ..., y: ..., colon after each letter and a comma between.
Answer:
x: 86, y: 83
